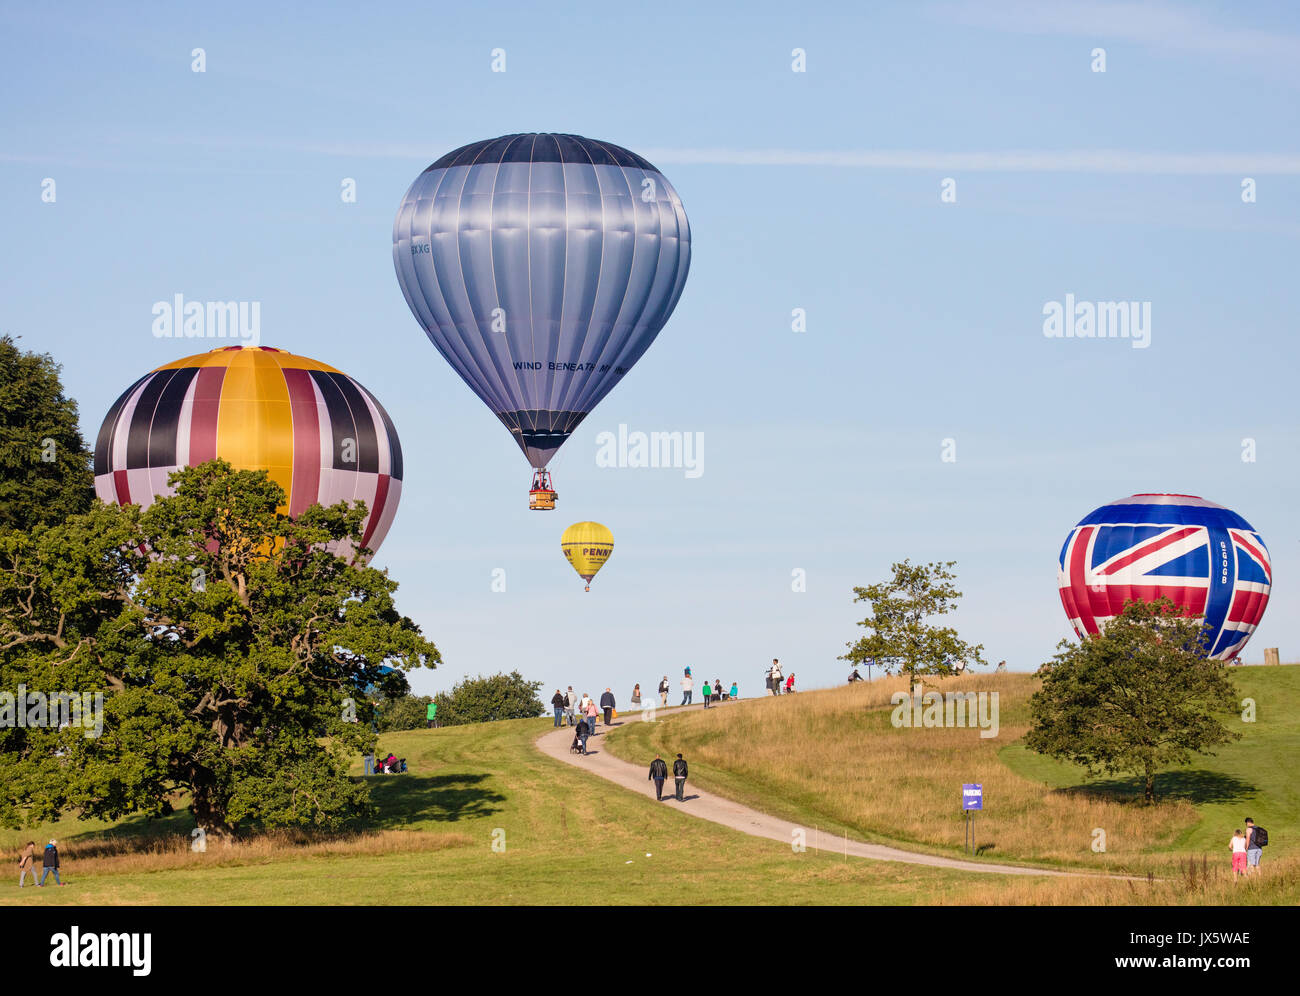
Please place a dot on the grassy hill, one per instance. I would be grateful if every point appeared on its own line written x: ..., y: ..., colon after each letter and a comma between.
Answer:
x: 829, y: 760
x: 832, y: 759
x: 570, y: 838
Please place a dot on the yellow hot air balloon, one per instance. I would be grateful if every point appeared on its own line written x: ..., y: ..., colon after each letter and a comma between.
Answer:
x: 587, y: 545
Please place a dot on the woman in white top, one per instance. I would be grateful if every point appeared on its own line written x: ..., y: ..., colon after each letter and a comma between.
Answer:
x: 1238, y: 845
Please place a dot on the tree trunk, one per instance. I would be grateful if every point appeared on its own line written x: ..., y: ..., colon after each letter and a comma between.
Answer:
x: 1151, y: 785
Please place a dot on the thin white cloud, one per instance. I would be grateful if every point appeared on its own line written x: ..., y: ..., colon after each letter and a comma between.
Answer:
x: 1080, y: 161
x: 1156, y: 24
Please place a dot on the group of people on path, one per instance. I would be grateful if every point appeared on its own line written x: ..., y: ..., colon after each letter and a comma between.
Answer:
x: 776, y: 682
x: 49, y: 864
x: 712, y: 692
x: 583, y: 714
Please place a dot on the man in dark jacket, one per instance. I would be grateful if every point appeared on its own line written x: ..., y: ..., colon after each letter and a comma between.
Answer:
x: 50, y: 863
x: 557, y: 701
x: 607, y: 704
x: 582, y: 731
x: 679, y: 776
x: 658, y: 772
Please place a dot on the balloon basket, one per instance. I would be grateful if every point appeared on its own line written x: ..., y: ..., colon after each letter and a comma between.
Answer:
x: 542, y: 497
x: 543, y: 501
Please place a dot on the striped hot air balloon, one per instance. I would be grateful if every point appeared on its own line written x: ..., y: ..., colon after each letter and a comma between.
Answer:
x: 587, y: 545
x: 319, y: 434
x: 1206, y: 559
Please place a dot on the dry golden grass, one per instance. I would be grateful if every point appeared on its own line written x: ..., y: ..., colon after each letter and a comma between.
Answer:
x: 127, y: 855
x: 1192, y: 882
x: 834, y: 754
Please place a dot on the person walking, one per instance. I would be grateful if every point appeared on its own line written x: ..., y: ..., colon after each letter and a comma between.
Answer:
x: 776, y: 676
x: 1256, y: 841
x: 570, y: 704
x: 663, y: 692
x: 557, y: 702
x: 1237, y: 844
x: 50, y: 863
x: 607, y: 705
x: 658, y: 772
x: 636, y: 695
x: 431, y: 715
x: 708, y: 691
x: 582, y: 731
x: 735, y: 692
x: 592, y: 713
x: 687, y: 685
x: 27, y: 862
x: 679, y: 778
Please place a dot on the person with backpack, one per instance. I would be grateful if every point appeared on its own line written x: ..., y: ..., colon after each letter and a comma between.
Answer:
x: 688, y: 686
x: 658, y: 772
x: 50, y: 863
x: 570, y: 704
x: 679, y: 778
x: 1256, y: 841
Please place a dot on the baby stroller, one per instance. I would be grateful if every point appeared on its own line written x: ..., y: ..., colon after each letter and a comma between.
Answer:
x: 577, y: 746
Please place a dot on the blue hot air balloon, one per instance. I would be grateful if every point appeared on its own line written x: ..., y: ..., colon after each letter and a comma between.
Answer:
x: 541, y: 267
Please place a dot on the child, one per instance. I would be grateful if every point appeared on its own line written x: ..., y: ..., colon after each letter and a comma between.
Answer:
x: 1238, y: 845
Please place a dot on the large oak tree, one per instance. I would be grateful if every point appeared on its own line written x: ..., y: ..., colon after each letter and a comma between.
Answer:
x: 233, y: 650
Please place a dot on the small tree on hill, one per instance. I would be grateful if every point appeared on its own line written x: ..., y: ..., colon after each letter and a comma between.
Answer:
x: 484, y: 700
x: 901, y: 638
x: 1138, y: 696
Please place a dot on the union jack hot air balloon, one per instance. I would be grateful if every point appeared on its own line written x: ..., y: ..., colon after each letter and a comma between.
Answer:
x: 318, y: 433
x: 1205, y: 558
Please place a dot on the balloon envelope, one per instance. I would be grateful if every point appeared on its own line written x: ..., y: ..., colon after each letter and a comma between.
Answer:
x: 318, y: 433
x: 1205, y: 558
x: 541, y: 267
x: 587, y: 545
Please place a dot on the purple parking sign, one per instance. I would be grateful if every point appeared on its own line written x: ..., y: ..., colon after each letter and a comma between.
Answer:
x: 972, y: 797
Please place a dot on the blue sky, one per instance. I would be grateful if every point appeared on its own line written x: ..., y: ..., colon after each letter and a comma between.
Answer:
x: 817, y: 190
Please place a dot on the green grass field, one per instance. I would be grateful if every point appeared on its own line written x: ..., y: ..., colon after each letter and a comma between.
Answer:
x: 1256, y: 776
x: 569, y: 838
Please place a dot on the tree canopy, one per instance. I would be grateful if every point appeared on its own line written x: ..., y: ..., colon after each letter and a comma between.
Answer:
x: 901, y: 638
x: 484, y: 700
x: 45, y: 467
x: 1136, y: 697
x: 233, y: 651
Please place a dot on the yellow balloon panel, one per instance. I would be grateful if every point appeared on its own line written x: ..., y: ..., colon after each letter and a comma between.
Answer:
x: 587, y: 545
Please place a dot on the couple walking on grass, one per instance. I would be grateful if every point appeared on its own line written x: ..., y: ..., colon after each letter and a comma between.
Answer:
x: 659, y: 774
x: 1247, y: 848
